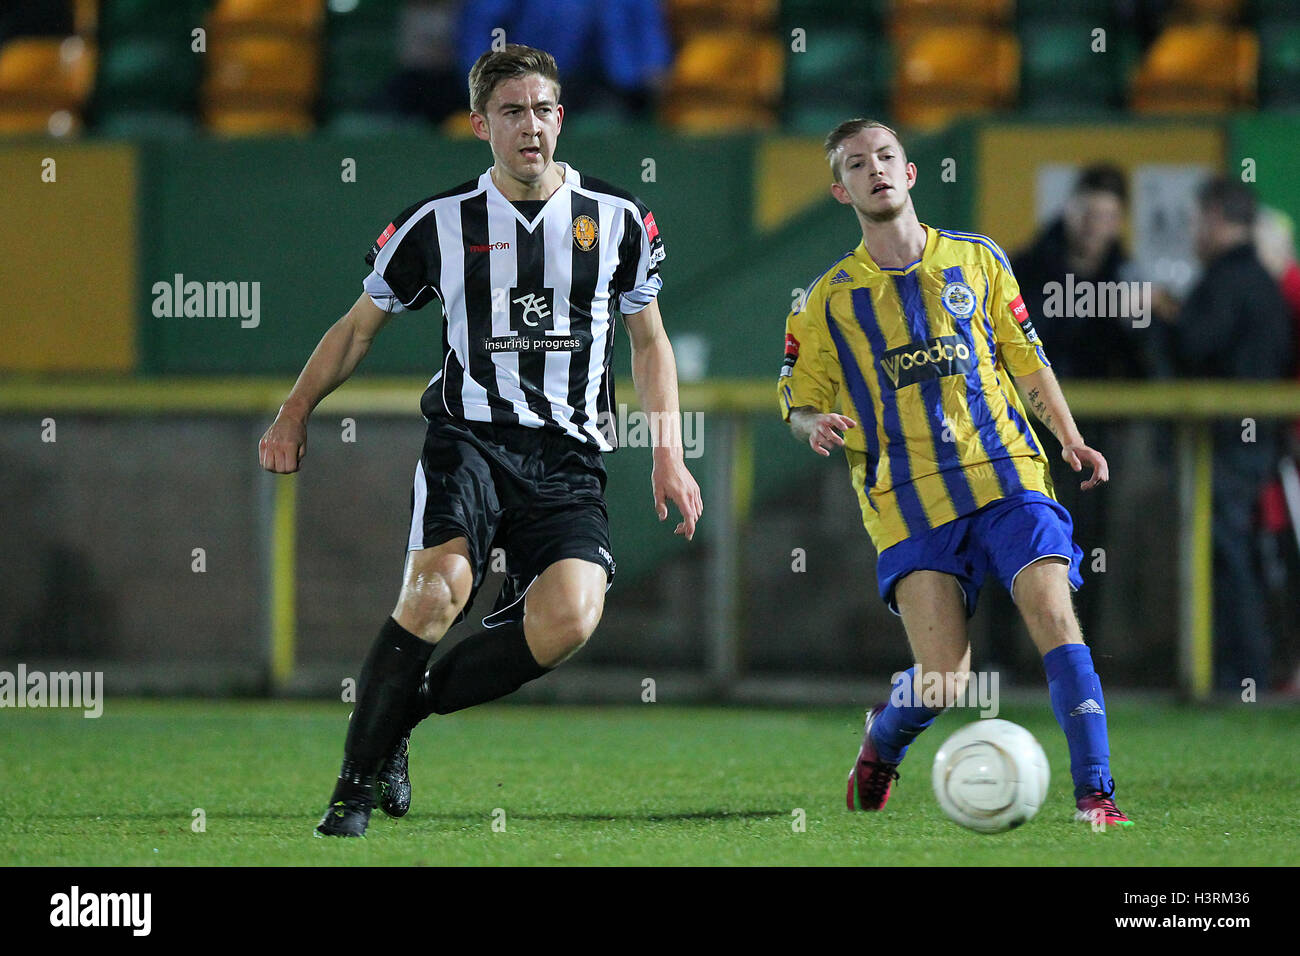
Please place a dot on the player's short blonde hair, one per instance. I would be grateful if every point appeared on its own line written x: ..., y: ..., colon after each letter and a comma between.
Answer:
x: 847, y: 130
x: 513, y: 60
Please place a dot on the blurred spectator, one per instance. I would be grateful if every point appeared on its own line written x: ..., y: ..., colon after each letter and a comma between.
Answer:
x: 612, y: 54
x: 429, y: 82
x: 1235, y: 324
x: 1278, y: 518
x: 1083, y: 243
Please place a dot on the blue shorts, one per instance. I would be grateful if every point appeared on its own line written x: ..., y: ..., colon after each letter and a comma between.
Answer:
x: 1006, y: 536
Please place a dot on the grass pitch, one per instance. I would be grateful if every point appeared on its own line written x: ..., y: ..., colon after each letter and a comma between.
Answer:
x: 646, y: 785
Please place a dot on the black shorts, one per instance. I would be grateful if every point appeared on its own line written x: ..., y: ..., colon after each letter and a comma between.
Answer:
x: 537, y: 494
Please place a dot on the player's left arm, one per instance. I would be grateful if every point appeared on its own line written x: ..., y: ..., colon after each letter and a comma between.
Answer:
x: 1020, y: 351
x: 654, y: 374
x: 1043, y: 393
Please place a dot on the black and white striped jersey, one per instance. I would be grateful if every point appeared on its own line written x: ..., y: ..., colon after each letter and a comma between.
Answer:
x: 528, y: 298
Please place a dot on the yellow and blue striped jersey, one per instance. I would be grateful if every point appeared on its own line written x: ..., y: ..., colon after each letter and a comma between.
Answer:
x: 922, y: 359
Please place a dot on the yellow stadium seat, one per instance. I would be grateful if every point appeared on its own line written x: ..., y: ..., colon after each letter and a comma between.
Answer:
x: 691, y: 116
x: 1198, y: 68
x: 688, y: 16
x: 944, y: 72
x: 85, y: 17
x: 457, y: 126
x: 258, y: 122
x: 46, y: 72
x: 953, y: 11
x: 38, y: 122
x: 733, y: 64
x: 267, y: 16
x: 262, y: 71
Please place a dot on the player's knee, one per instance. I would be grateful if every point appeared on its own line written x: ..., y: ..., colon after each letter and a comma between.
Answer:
x: 561, y: 631
x: 430, y: 602
x: 944, y: 686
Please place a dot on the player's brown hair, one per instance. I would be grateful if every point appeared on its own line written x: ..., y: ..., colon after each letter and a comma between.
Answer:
x: 513, y: 60
x: 848, y: 129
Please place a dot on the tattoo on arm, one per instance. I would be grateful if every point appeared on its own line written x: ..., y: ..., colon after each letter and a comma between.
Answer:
x: 1040, y: 409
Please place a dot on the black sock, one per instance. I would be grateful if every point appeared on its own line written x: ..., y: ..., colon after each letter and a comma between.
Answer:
x: 483, y: 667
x: 386, y: 688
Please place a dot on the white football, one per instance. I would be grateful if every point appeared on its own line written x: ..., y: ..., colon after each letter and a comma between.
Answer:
x: 990, y: 776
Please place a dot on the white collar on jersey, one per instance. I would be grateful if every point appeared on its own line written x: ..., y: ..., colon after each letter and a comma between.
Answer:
x: 571, y: 178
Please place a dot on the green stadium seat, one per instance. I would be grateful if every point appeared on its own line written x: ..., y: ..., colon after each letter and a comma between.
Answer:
x: 147, y: 71
x: 1279, y: 63
x: 363, y: 123
x: 357, y: 14
x: 1059, y: 69
x: 145, y: 124
x: 123, y: 18
x: 358, y: 64
x: 841, y: 70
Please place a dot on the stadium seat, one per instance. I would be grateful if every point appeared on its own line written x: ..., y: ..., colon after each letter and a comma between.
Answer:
x: 38, y: 122
x: 991, y: 12
x: 945, y: 72
x: 145, y: 124
x: 1060, y: 71
x: 261, y: 72
x: 1279, y: 63
x: 707, y: 118
x: 121, y: 18
x: 364, y: 13
x: 130, y: 69
x: 689, y: 16
x: 729, y: 76
x: 1197, y: 68
x: 358, y: 64
x: 46, y: 73
x: 845, y: 70
x: 256, y: 122
x: 283, y: 17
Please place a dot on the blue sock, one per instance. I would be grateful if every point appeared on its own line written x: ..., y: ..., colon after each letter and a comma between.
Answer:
x: 898, y: 725
x: 1080, y: 709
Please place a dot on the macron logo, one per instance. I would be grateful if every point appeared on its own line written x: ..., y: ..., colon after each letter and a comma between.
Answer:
x: 1089, y: 706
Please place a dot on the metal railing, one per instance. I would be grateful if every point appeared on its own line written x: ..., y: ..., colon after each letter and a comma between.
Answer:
x: 733, y: 405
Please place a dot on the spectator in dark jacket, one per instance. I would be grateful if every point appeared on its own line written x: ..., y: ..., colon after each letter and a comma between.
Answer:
x: 1083, y: 246
x: 1234, y: 324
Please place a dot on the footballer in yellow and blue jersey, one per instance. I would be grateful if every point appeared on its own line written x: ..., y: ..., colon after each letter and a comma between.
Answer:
x: 918, y: 336
x: 921, y: 357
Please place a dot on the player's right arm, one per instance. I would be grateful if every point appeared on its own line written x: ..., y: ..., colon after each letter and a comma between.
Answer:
x: 810, y: 378
x: 335, y: 358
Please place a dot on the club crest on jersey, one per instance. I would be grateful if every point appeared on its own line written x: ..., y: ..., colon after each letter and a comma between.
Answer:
x: 958, y: 299
x: 585, y: 233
